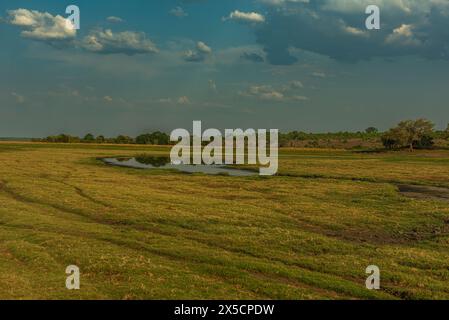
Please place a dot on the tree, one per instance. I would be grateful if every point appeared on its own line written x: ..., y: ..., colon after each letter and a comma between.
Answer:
x: 160, y: 138
x: 100, y: 139
x: 89, y: 138
x: 143, y: 139
x: 446, y: 132
x: 62, y: 138
x: 371, y: 130
x: 155, y: 138
x: 417, y: 132
x: 411, y: 134
x: 124, y: 140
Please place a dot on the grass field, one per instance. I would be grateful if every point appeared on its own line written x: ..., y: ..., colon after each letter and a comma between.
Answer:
x: 151, y: 234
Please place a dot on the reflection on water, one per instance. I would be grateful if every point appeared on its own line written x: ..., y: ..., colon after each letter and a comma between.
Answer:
x: 150, y: 162
x: 153, y: 161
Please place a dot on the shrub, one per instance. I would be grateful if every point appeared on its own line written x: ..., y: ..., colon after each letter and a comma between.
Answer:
x: 390, y: 140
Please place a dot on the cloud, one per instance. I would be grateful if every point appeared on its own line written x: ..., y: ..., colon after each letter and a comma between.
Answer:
x: 127, y: 42
x: 200, y: 54
x: 281, y: 2
x: 164, y: 100
x: 403, y: 35
x: 318, y: 74
x: 354, y: 31
x: 42, y: 26
x: 254, y: 57
x: 299, y: 98
x: 59, y: 32
x: 183, y: 100
x: 19, y: 98
x: 178, y: 12
x: 336, y: 29
x: 248, y: 17
x: 203, y: 48
x: 354, y: 6
x: 114, y: 19
x: 212, y: 85
x: 263, y: 92
x: 286, y: 93
x: 293, y: 85
x: 108, y: 99
x: 193, y: 1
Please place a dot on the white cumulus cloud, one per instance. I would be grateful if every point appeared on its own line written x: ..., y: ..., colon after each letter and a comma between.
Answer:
x: 127, y: 42
x: 178, y: 12
x: 403, y: 35
x: 200, y: 54
x: 114, y: 19
x: 41, y: 25
x: 249, y: 17
x: 183, y: 100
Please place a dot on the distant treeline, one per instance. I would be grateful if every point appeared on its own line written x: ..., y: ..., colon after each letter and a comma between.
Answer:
x: 304, y: 136
x: 155, y: 138
x: 161, y: 138
x: 407, y: 134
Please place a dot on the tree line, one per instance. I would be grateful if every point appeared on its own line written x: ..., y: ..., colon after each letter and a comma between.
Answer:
x: 411, y: 134
x: 155, y: 138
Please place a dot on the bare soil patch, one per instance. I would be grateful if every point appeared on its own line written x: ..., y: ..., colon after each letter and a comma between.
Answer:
x: 424, y: 192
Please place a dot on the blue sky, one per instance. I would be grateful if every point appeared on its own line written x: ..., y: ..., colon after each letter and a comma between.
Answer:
x: 137, y: 66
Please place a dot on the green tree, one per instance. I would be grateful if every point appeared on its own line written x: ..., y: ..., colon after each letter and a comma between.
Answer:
x: 62, y: 138
x: 89, y: 138
x: 124, y: 140
x: 160, y: 138
x: 100, y: 139
x: 371, y: 130
x: 155, y: 138
x: 411, y: 134
x: 143, y: 139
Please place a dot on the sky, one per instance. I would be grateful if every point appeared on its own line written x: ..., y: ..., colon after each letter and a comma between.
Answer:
x: 139, y: 66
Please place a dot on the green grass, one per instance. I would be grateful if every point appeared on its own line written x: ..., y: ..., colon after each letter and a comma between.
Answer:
x: 308, y: 233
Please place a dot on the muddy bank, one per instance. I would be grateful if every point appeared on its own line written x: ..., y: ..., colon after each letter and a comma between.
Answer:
x: 424, y: 192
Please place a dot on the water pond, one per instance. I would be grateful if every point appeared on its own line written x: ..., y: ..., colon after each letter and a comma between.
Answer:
x: 150, y: 162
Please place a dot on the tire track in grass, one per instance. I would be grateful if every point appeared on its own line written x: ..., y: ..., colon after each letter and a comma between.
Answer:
x: 237, y: 266
x: 80, y: 191
x: 27, y: 200
x: 138, y: 250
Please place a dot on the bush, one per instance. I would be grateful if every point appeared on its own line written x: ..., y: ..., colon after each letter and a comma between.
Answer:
x: 390, y: 140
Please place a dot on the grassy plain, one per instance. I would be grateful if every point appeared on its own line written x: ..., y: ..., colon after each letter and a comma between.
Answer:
x: 151, y: 234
